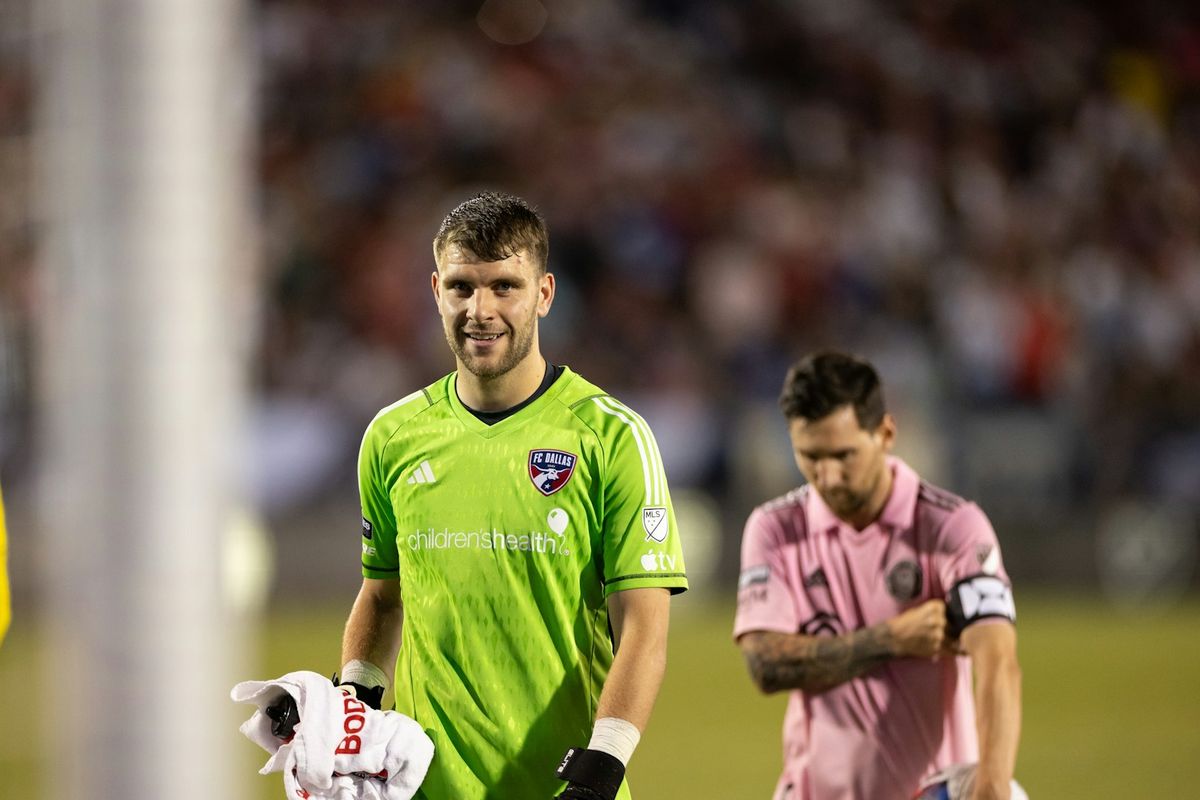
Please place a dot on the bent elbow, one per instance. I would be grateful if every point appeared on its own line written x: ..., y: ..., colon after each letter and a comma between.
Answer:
x: 762, y: 682
x: 762, y: 676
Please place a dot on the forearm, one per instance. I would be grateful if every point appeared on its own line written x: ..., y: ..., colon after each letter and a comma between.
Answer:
x: 635, y: 677
x: 640, y: 619
x: 997, y: 709
x: 634, y: 681
x: 813, y: 664
x: 373, y: 631
x: 998, y: 719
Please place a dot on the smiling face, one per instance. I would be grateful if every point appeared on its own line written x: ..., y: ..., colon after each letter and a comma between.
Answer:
x: 844, y: 462
x: 490, y: 310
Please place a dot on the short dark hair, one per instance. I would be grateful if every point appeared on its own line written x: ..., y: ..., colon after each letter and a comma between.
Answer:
x: 820, y: 383
x: 494, y: 226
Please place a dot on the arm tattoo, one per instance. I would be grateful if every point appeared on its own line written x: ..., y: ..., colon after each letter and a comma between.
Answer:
x: 779, y: 661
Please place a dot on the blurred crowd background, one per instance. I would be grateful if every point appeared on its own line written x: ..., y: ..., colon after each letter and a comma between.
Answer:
x: 997, y: 203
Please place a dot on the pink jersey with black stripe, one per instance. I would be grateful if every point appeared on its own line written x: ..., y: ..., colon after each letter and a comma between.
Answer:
x: 806, y: 571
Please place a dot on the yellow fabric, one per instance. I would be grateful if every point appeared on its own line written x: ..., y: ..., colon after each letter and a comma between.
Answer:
x: 5, y: 610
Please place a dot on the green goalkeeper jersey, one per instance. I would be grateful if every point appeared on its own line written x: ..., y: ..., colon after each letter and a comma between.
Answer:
x: 506, y: 540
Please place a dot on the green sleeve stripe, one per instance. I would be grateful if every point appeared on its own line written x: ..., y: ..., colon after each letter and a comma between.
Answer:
x: 369, y: 568
x: 652, y: 471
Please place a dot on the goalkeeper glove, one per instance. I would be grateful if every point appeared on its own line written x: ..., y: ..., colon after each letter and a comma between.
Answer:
x: 285, y: 716
x: 590, y: 775
x: 371, y: 695
x: 367, y: 681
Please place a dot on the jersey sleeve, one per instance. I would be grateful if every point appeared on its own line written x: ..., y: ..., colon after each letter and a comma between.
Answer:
x: 639, y: 537
x: 765, y: 599
x: 379, y: 556
x: 971, y: 570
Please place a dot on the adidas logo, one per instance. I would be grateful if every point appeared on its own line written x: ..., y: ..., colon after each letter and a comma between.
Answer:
x: 422, y: 474
x: 816, y: 579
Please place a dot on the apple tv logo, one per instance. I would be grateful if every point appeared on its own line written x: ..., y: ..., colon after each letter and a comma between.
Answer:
x: 657, y: 562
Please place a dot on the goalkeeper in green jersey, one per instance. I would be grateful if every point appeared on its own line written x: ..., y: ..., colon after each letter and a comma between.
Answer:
x: 519, y: 547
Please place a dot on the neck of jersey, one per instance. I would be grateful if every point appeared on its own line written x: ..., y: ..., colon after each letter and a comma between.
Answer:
x: 492, y: 417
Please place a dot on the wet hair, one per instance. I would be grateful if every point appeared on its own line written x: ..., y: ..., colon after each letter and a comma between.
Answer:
x: 821, y: 383
x: 494, y: 226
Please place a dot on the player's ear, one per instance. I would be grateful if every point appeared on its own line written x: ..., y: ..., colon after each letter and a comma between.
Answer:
x: 545, y: 294
x: 437, y: 288
x: 887, y: 432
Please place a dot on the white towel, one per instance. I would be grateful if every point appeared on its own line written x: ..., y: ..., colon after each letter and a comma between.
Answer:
x: 956, y: 782
x: 341, y: 749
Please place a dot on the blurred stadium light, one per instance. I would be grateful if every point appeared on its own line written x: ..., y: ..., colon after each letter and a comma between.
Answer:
x: 144, y: 126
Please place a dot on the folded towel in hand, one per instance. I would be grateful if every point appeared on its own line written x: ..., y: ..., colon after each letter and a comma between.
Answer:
x: 340, y: 748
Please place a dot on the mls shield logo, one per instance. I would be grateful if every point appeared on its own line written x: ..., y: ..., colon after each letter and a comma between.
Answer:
x: 654, y: 520
x: 550, y: 469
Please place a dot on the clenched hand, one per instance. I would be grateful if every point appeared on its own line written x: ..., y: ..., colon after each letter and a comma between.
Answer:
x: 920, y: 632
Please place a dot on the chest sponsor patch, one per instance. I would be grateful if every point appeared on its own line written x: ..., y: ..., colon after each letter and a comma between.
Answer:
x: 550, y: 469
x: 904, y: 581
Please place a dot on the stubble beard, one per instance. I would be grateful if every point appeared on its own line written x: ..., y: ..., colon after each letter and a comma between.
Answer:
x: 845, y: 503
x: 519, y: 346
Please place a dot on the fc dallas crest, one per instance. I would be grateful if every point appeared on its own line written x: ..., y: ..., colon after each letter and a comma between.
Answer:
x: 550, y: 469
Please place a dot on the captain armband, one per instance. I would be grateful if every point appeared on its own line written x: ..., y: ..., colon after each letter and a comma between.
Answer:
x: 975, y: 598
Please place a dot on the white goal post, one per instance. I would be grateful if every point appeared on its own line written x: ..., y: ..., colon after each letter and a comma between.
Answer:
x: 147, y: 265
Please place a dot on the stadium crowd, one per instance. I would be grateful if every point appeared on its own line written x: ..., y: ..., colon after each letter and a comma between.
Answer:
x: 999, y: 204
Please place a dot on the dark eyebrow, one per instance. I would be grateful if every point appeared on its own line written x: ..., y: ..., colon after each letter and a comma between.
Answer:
x: 818, y: 454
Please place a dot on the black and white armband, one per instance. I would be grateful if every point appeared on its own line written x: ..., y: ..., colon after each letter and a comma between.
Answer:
x: 978, y: 597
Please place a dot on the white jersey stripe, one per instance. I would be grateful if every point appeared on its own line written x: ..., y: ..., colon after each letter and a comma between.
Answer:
x: 662, y: 471
x: 658, y: 474
x: 656, y: 483
x: 637, y: 438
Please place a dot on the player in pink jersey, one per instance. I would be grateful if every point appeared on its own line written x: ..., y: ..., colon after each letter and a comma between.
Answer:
x: 870, y: 595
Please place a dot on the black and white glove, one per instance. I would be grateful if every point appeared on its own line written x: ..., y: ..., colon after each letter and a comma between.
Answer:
x: 371, y: 695
x: 590, y: 775
x: 366, y: 680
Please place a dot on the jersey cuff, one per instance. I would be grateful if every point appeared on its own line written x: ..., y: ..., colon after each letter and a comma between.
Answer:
x: 380, y: 573
x: 762, y: 626
x: 676, y: 582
